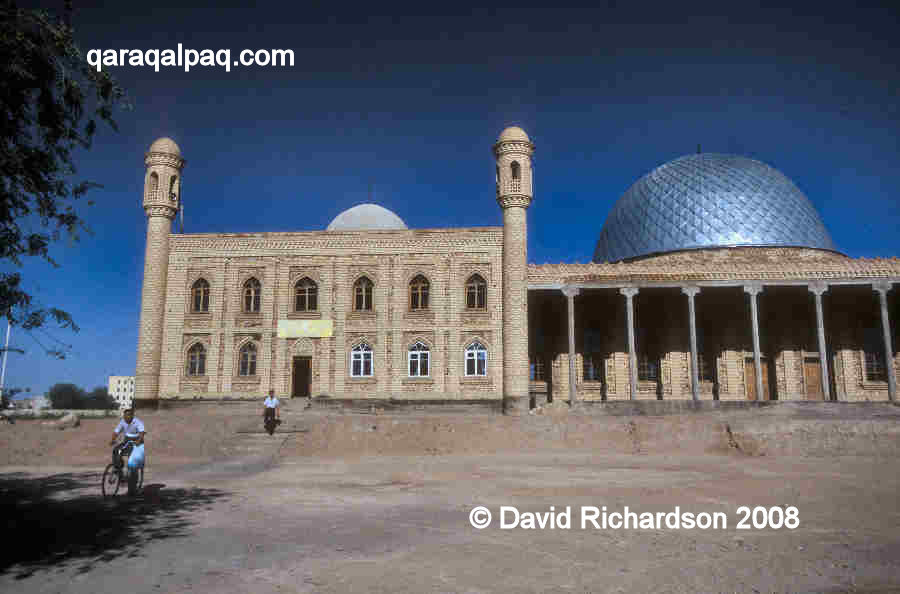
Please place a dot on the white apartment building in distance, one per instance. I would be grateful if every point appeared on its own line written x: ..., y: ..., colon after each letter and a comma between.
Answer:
x: 121, y: 388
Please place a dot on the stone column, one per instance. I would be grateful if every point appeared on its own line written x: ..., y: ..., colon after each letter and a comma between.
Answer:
x: 629, y: 293
x: 570, y: 293
x: 753, y: 290
x: 817, y: 288
x: 882, y: 289
x: 691, y: 292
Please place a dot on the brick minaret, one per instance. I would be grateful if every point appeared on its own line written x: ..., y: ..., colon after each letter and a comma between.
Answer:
x: 513, y: 152
x: 161, y: 195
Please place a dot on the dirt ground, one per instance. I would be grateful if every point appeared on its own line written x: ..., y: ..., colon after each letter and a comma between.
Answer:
x: 371, y: 503
x: 175, y: 437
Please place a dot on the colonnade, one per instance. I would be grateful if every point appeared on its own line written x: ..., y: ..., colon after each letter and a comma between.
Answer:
x: 752, y: 289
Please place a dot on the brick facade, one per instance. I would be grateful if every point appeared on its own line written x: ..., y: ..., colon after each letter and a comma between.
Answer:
x: 334, y: 261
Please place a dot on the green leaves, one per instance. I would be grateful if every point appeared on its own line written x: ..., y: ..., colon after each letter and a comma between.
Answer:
x: 51, y: 101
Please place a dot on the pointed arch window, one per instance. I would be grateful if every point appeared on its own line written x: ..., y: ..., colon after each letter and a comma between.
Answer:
x: 173, y: 188
x: 476, y: 292
x: 196, y: 360
x: 361, y: 361
x: 306, y: 294
x: 515, y: 179
x: 418, y: 293
x: 154, y: 186
x: 362, y: 294
x: 200, y: 296
x: 247, y: 364
x: 252, y: 292
x: 476, y: 360
x: 419, y: 360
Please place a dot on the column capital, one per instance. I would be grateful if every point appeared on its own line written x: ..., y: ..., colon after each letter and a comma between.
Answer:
x: 629, y: 292
x: 570, y: 291
x: 882, y: 287
x: 690, y: 291
x: 753, y: 288
x: 818, y: 287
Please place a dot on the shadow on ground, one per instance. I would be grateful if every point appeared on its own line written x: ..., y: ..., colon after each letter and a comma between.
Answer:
x: 49, y: 523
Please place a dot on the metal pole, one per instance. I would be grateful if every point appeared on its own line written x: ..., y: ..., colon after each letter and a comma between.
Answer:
x: 5, y: 351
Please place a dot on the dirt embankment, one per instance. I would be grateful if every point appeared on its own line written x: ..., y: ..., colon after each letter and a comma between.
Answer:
x: 201, y: 433
x: 783, y: 430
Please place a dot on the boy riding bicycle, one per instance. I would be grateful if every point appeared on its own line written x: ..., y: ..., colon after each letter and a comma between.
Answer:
x: 133, y: 429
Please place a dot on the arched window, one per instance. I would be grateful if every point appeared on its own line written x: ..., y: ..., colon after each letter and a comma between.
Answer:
x: 252, y: 290
x: 196, y: 360
x: 248, y: 360
x: 418, y: 293
x: 418, y: 358
x: 515, y: 180
x: 476, y: 292
x: 362, y: 294
x: 476, y: 360
x: 153, y: 190
x: 173, y: 188
x: 306, y: 295
x: 361, y: 361
x: 200, y: 296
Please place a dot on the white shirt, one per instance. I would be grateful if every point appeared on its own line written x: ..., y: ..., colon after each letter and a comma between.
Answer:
x: 132, y: 429
x: 270, y: 402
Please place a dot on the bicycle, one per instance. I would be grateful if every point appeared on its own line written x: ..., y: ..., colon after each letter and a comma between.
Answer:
x: 270, y: 422
x: 115, y: 473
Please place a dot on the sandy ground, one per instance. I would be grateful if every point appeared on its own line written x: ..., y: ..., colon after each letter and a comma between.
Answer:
x: 345, y: 507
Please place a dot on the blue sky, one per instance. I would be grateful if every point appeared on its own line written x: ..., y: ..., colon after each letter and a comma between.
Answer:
x: 411, y: 101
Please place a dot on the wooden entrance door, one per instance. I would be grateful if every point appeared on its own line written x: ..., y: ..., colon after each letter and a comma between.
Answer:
x: 302, y: 377
x: 813, y: 375
x: 750, y: 379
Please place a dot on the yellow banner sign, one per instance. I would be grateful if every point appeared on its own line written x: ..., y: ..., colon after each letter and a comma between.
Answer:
x: 311, y: 328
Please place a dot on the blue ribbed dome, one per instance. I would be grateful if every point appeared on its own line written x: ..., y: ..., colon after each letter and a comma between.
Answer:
x: 710, y: 200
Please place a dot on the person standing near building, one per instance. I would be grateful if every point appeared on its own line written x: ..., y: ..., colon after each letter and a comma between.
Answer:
x: 270, y: 408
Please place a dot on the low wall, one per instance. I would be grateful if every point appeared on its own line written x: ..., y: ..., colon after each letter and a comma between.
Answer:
x: 613, y: 408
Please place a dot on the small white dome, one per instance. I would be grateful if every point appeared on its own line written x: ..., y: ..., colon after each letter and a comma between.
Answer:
x: 366, y: 216
x: 513, y: 133
x: 165, y: 145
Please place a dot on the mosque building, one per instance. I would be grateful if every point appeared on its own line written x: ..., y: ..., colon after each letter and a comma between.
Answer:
x: 713, y: 278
